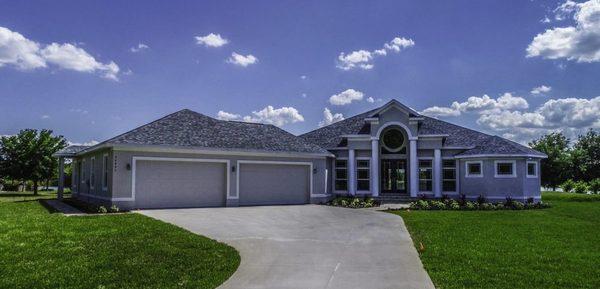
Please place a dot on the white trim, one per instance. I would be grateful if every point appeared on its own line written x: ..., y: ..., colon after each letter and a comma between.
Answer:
x: 407, y: 110
x: 500, y: 156
x: 169, y: 159
x: 105, y: 198
x: 310, y: 173
x: 397, y: 123
x: 419, y: 174
x: 363, y: 168
x: 201, y: 150
x: 326, y: 173
x: 433, y: 135
x: 104, y: 171
x: 527, y: 169
x: 335, y: 178
x: 468, y: 175
x: 92, y: 167
x: 514, y: 168
x: 456, y: 175
x: 82, y: 176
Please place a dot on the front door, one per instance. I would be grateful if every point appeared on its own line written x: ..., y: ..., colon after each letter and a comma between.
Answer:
x: 393, y: 176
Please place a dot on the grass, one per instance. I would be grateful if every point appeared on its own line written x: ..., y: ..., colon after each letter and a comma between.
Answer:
x: 43, y: 250
x: 557, y: 247
x: 29, y: 196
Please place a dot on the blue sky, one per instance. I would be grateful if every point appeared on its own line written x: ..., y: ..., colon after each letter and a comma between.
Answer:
x: 77, y: 67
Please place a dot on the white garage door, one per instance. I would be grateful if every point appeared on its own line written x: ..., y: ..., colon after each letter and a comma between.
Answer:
x: 274, y: 184
x: 177, y: 184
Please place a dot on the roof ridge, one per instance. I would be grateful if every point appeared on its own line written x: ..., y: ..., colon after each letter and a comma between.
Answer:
x: 450, y: 123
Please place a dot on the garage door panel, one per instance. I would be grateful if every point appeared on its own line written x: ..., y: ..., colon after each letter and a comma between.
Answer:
x: 172, y: 184
x: 274, y: 184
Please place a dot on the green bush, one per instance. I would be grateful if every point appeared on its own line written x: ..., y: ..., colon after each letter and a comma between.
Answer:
x: 453, y: 205
x: 595, y: 186
x: 470, y: 206
x: 353, y: 202
x: 518, y: 206
x: 486, y: 206
x: 580, y: 187
x: 568, y: 186
x: 499, y: 206
x: 102, y: 210
x: 114, y: 209
x: 438, y: 205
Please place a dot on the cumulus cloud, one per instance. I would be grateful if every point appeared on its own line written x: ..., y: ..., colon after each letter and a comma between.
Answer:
x: 45, y: 116
x: 329, y: 118
x: 541, y: 90
x: 25, y: 54
x: 370, y: 99
x: 242, y: 60
x: 346, y: 97
x: 269, y: 115
x: 578, y: 43
x: 363, y: 58
x: 478, y: 104
x: 211, y: 40
x: 139, y: 48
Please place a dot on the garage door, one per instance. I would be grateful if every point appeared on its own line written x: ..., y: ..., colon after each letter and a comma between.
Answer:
x: 179, y: 184
x: 274, y: 184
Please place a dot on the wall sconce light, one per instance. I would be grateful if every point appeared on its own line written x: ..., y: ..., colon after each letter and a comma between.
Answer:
x: 233, y: 169
x: 128, y: 167
x: 314, y: 171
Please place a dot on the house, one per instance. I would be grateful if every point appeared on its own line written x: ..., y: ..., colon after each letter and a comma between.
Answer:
x: 187, y: 159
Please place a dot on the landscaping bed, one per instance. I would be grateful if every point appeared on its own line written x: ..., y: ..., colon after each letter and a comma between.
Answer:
x: 481, y: 204
x: 558, y: 247
x: 355, y: 203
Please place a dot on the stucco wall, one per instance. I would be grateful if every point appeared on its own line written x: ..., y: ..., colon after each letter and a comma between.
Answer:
x: 85, y: 190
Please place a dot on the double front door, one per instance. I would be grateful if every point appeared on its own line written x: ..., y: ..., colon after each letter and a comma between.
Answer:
x: 393, y: 176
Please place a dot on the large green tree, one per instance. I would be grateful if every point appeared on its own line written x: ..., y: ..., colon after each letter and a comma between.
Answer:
x: 585, y: 156
x: 555, y: 169
x: 28, y: 155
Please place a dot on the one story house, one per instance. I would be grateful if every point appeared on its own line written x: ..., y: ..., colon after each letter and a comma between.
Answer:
x: 187, y: 159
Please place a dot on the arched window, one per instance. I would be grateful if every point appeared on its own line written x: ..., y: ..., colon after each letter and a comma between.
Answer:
x: 393, y: 140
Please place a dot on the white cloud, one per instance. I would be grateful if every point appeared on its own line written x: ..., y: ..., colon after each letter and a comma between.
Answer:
x: 370, y: 99
x: 304, y: 95
x: 541, y: 90
x: 139, y: 48
x: 577, y: 43
x: 242, y: 60
x: 329, y: 118
x: 25, y: 54
x: 478, y: 104
x: 78, y: 110
x: 303, y: 77
x: 45, y: 116
x: 270, y: 115
x: 363, y: 58
x: 223, y: 115
x: 211, y: 40
x: 346, y: 97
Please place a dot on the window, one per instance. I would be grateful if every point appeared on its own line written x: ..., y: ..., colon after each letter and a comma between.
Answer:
x: 393, y: 140
x: 75, y: 175
x: 474, y: 169
x: 425, y: 175
x: 82, y: 172
x: 92, y: 173
x: 341, y: 175
x: 449, y: 176
x: 105, y: 172
x: 532, y: 170
x: 505, y: 169
x: 362, y: 175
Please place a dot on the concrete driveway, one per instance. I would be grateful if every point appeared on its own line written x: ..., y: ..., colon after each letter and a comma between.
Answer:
x: 309, y: 246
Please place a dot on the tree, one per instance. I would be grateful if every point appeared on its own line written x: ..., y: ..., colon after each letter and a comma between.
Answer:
x: 555, y: 168
x: 28, y: 155
x: 586, y: 156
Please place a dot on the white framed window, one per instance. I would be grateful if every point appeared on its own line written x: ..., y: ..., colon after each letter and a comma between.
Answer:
x: 75, y: 175
x: 449, y: 176
x: 92, y: 173
x: 425, y: 175
x: 532, y: 169
x: 363, y: 174
x: 505, y: 169
x: 82, y: 174
x: 341, y: 174
x: 474, y: 169
x: 105, y: 172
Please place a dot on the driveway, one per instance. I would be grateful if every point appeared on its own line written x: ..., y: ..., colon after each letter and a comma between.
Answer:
x: 309, y: 246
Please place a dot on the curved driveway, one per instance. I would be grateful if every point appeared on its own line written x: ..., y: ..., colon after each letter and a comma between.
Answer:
x: 309, y: 246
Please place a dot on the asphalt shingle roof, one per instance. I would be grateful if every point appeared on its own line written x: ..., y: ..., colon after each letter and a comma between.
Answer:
x: 458, y: 136
x: 187, y: 128
x: 71, y: 150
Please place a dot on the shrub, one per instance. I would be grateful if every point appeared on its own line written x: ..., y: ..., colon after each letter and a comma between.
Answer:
x: 530, y: 200
x: 595, y: 186
x: 509, y: 202
x: 469, y: 206
x: 114, y: 209
x: 481, y: 199
x: 438, y: 205
x: 462, y: 200
x: 453, y: 205
x: 486, y: 206
x: 423, y: 205
x: 102, y: 210
x: 499, y: 206
x: 568, y: 186
x: 518, y: 206
x: 370, y: 202
x: 580, y: 187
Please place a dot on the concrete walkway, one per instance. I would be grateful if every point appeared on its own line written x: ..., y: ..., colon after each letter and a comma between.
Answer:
x: 64, y: 208
x: 309, y: 246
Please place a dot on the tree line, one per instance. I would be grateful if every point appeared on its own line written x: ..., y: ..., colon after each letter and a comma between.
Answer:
x: 569, y: 162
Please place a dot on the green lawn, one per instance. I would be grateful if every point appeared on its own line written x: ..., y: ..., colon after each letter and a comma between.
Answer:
x: 557, y: 247
x: 43, y: 250
x: 28, y: 196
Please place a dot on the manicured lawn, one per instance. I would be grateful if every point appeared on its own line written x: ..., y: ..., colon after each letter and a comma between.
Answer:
x: 43, y: 250
x: 27, y: 196
x: 557, y: 247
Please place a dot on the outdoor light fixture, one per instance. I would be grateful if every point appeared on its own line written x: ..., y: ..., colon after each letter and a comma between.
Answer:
x: 128, y: 167
x: 233, y: 169
x: 314, y: 171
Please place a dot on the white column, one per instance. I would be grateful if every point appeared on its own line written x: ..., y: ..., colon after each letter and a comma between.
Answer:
x: 61, y: 178
x: 351, y: 172
x: 437, y: 173
x: 375, y: 167
x: 414, y: 174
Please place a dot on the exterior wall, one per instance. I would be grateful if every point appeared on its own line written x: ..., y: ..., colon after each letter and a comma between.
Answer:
x: 122, y: 181
x: 86, y: 191
x: 498, y: 188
